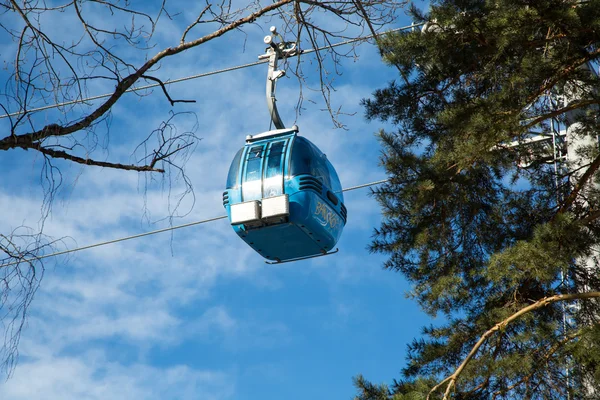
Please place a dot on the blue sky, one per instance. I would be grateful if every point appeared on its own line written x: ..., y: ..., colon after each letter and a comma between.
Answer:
x: 196, y: 314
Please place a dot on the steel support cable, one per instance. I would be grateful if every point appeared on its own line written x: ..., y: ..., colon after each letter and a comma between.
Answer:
x: 204, y: 74
x: 135, y: 89
x: 171, y: 228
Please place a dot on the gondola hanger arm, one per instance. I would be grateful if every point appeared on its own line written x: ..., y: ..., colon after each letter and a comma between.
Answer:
x: 275, y: 52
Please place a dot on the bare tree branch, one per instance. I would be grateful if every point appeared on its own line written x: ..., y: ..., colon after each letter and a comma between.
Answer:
x: 88, y: 161
x: 162, y: 85
x: 192, y: 25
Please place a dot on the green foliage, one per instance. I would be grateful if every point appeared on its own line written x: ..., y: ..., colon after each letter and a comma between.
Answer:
x: 416, y: 390
x: 478, y: 235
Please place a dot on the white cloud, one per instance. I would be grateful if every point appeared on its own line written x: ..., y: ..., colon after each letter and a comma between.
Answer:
x: 91, y: 376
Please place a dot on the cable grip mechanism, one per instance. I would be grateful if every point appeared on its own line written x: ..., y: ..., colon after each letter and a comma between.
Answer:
x: 278, y: 49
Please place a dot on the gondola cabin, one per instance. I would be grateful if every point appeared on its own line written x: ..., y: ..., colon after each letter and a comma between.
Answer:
x: 284, y: 198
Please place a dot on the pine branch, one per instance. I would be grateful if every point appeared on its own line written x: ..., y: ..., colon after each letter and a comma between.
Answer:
x: 450, y: 381
x: 573, y: 106
x: 580, y: 184
x: 550, y: 83
x: 553, y: 349
x: 591, y: 217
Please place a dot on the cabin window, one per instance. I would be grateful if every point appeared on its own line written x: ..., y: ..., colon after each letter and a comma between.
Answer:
x: 251, y: 188
x: 336, y: 185
x: 306, y: 158
x: 234, y: 169
x: 273, y: 184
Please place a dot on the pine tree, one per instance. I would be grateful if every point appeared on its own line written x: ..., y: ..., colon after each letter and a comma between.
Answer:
x: 495, y: 238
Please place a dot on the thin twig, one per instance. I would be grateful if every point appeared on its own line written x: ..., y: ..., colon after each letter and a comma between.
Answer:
x: 162, y: 85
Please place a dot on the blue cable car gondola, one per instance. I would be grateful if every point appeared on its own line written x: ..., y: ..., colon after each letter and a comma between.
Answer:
x: 283, y: 196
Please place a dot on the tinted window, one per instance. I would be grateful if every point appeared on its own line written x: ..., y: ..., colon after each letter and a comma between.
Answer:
x: 251, y: 186
x: 274, y: 164
x: 234, y: 170
x: 336, y: 185
x: 273, y: 184
x: 306, y: 158
x: 254, y: 160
